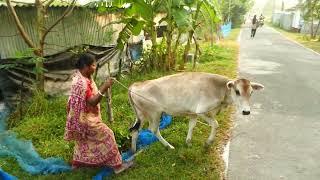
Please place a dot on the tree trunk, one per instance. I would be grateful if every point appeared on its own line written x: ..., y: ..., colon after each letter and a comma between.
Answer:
x: 186, y: 50
x: 168, y: 53
x: 109, y: 105
x: 311, y: 6
x: 316, y: 32
x: 25, y: 36
x: 120, y: 67
x: 312, y: 32
x: 191, y: 32
x: 38, y: 48
x: 196, y: 53
x: 109, y: 98
x: 174, y: 53
x: 154, y: 58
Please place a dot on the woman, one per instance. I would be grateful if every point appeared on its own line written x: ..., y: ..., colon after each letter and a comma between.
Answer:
x: 254, y: 26
x: 95, y: 144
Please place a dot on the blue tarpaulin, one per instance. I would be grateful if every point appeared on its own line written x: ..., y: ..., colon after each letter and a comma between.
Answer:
x: 136, y: 51
x: 24, y: 152
x: 226, y: 29
x: 6, y: 176
x: 145, y: 138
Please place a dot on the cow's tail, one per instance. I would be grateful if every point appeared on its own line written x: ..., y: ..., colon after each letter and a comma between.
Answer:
x: 136, y: 126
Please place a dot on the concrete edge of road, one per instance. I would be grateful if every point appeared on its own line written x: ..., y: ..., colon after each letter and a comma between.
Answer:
x: 226, y: 150
x: 225, y: 157
x: 239, y: 36
x: 294, y: 41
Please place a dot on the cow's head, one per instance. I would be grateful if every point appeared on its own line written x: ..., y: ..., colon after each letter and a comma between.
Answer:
x: 241, y: 90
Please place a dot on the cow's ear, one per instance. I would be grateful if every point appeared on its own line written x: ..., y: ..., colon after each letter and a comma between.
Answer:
x: 230, y: 84
x: 256, y: 86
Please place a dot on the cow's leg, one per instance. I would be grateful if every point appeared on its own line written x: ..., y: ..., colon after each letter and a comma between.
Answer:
x: 214, y: 124
x: 135, y: 130
x: 154, y: 122
x: 134, y: 136
x: 162, y: 140
x: 154, y: 127
x: 192, y: 124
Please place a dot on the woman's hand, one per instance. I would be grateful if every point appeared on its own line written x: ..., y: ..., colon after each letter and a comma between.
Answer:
x: 93, y: 101
x: 107, y: 84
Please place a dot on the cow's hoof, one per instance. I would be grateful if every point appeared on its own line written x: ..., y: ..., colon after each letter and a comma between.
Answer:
x: 188, y: 142
x: 207, y: 145
x: 170, y: 146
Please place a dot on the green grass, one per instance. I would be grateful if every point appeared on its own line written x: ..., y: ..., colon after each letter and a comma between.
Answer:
x: 300, y: 38
x: 44, y: 123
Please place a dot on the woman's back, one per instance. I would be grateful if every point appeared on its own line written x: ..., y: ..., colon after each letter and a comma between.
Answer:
x: 254, y: 22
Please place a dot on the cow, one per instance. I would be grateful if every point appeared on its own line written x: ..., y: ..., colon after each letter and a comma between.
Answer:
x: 192, y: 94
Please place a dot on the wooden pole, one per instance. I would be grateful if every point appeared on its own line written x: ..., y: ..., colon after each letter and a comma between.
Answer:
x: 109, y: 99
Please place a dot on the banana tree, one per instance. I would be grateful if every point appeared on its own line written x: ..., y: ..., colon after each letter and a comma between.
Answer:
x: 140, y: 15
x: 190, y: 33
x: 211, y: 12
x: 177, y: 19
x: 136, y: 15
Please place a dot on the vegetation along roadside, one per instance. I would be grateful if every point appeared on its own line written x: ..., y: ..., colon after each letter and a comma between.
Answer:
x: 44, y: 123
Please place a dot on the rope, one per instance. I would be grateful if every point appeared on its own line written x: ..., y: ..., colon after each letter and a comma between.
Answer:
x: 114, y: 79
x: 138, y: 94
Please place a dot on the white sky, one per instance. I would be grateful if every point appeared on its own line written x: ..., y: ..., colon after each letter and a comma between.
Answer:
x: 83, y: 1
x: 259, y: 4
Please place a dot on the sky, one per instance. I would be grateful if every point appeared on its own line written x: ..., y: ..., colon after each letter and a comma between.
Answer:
x: 83, y: 1
x: 260, y: 6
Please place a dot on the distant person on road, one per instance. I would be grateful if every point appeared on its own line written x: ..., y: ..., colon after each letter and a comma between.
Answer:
x: 261, y: 20
x: 254, y: 26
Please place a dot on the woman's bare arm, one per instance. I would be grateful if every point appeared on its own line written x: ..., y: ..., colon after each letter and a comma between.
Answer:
x: 94, y: 100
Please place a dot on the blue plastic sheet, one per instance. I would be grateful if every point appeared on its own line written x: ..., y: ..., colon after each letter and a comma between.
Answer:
x: 145, y: 138
x: 226, y: 29
x: 6, y: 176
x: 136, y: 51
x: 24, y: 152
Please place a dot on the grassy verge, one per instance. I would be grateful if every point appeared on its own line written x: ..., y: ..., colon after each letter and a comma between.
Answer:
x: 44, y: 123
x: 300, y: 38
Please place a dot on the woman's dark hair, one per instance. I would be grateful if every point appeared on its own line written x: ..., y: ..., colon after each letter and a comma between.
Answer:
x: 254, y: 20
x: 84, y: 60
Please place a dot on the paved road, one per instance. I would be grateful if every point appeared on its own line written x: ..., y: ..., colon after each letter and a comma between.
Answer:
x: 281, y: 139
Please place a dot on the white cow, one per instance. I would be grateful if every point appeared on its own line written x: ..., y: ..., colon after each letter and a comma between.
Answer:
x: 192, y: 94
